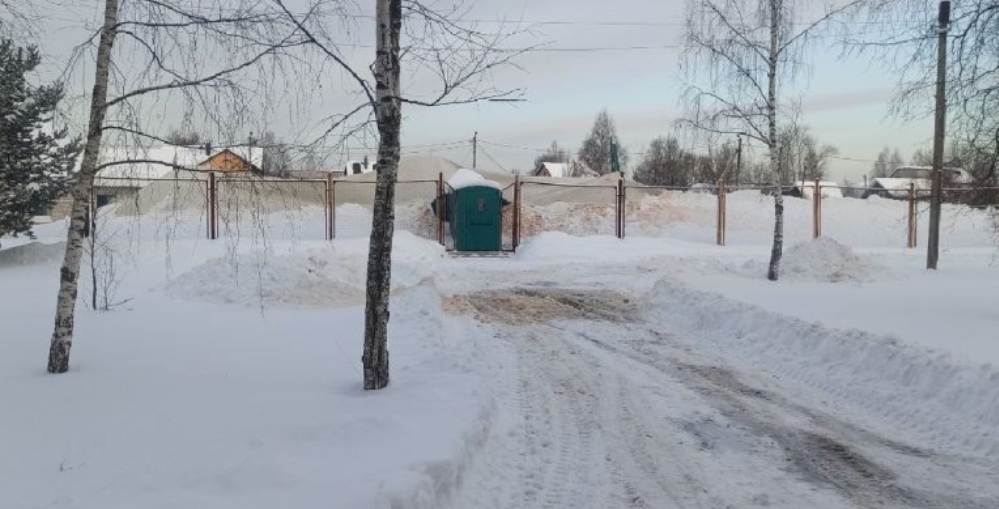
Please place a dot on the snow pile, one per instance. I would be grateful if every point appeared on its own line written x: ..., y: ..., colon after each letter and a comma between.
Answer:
x: 824, y: 259
x: 948, y: 402
x: 247, y: 411
x: 468, y: 178
x: 31, y: 253
x: 318, y: 277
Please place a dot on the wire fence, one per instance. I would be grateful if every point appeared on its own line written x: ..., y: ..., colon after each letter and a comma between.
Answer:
x: 335, y: 207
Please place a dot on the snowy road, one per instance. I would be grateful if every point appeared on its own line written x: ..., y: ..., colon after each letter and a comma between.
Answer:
x: 610, y: 408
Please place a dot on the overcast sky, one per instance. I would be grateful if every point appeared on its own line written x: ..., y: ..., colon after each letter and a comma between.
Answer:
x: 576, y: 74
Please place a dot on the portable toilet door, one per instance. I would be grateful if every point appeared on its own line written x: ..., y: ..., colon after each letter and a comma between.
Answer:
x: 477, y: 219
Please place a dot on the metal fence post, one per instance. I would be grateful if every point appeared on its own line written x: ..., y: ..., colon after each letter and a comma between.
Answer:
x: 913, y: 224
x: 624, y: 207
x: 213, y: 206
x: 516, y: 211
x: 720, y: 237
x: 617, y: 211
x: 440, y: 208
x: 330, y: 207
x: 817, y: 210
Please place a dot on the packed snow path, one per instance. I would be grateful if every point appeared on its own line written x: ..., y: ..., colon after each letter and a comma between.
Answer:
x: 608, y: 409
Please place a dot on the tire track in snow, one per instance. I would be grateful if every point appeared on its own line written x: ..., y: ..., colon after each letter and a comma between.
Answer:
x: 588, y: 438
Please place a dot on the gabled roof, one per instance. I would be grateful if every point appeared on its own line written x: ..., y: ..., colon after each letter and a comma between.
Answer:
x: 147, y: 163
x: 252, y: 155
x: 555, y: 170
x: 143, y: 164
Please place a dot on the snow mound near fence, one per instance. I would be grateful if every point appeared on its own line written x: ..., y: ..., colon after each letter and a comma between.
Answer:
x: 824, y: 259
x: 914, y: 391
x: 319, y: 277
x: 31, y: 253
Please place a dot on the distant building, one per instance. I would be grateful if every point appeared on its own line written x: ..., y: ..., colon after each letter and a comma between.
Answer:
x: 563, y: 170
x: 359, y: 167
x: 234, y: 159
x: 127, y: 170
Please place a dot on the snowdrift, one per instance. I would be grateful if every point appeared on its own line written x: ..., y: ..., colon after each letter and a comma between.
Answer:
x: 317, y: 277
x: 915, y: 390
x: 822, y: 260
x: 31, y: 253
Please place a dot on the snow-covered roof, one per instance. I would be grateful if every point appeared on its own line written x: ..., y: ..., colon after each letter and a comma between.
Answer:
x: 829, y: 188
x: 468, y: 178
x: 252, y: 155
x: 555, y: 170
x: 901, y: 184
x: 160, y: 162
x: 147, y: 163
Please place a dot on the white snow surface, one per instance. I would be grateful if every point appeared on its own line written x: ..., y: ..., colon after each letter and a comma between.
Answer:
x: 824, y: 259
x: 585, y: 371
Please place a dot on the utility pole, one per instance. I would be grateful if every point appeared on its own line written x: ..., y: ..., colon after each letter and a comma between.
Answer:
x: 475, y: 149
x: 940, y: 124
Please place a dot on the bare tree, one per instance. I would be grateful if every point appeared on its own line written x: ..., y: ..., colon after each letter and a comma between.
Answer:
x: 554, y: 154
x: 801, y: 157
x: 663, y: 164
x: 277, y: 157
x: 972, y: 73
x: 184, y: 138
x: 457, y: 58
x: 743, y: 49
x: 887, y: 162
x: 17, y: 18
x: 168, y: 40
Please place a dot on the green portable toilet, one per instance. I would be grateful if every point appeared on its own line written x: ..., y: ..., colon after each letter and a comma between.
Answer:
x: 475, y: 218
x: 474, y: 212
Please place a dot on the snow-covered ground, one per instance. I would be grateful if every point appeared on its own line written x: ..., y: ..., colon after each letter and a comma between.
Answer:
x: 585, y: 371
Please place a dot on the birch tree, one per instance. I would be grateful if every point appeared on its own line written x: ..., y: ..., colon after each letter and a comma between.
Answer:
x: 737, y: 55
x: 156, y: 51
x: 458, y: 59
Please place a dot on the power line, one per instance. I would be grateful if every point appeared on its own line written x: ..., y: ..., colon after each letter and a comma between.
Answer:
x: 640, y: 153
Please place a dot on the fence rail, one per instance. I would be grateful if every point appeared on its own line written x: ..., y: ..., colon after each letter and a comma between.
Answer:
x: 324, y: 192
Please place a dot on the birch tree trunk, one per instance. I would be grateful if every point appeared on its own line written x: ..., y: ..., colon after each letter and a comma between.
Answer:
x: 62, y: 335
x: 778, y: 245
x: 389, y: 117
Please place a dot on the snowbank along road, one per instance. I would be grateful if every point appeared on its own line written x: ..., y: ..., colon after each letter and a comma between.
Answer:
x: 612, y: 404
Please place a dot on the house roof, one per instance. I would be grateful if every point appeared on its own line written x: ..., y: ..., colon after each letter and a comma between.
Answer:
x: 148, y: 163
x: 555, y: 170
x: 144, y: 164
x: 252, y: 155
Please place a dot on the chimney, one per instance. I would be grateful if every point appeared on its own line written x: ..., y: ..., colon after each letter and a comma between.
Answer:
x: 208, y: 148
x: 365, y: 162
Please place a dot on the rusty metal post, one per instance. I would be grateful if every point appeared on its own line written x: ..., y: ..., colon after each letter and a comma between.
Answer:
x: 440, y: 208
x: 913, y: 223
x: 516, y: 211
x: 624, y: 207
x: 617, y: 212
x: 817, y: 210
x: 724, y: 211
x: 720, y: 233
x: 208, y: 210
x: 330, y: 207
x: 213, y: 206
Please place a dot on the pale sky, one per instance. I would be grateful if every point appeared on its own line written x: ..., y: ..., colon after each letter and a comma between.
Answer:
x: 844, y: 101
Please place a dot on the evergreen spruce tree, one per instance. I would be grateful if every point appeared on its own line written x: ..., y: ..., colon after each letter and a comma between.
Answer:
x: 36, y: 160
x: 596, y: 149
